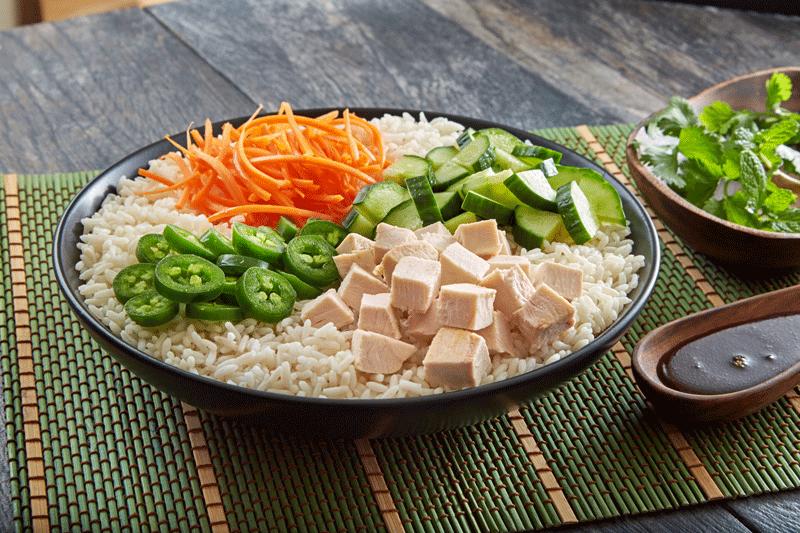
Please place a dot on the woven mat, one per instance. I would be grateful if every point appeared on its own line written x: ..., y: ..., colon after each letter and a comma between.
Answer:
x: 91, y: 447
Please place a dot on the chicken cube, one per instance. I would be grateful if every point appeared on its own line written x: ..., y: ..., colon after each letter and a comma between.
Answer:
x: 378, y: 354
x: 388, y: 236
x: 505, y: 248
x: 481, y: 238
x: 354, y: 242
x: 505, y: 261
x: 467, y: 306
x: 357, y: 283
x: 377, y: 315
x: 498, y: 335
x: 415, y: 282
x: 325, y: 308
x: 438, y: 240
x: 420, y: 249
x: 423, y: 326
x: 544, y: 317
x: 363, y: 258
x: 565, y: 280
x: 437, y: 228
x: 456, y: 359
x: 513, y: 288
x: 459, y: 265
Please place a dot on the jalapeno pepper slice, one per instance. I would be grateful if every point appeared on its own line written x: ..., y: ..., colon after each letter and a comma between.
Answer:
x: 214, y: 312
x: 152, y: 248
x: 150, y: 309
x: 185, y: 278
x: 286, y: 228
x: 216, y: 242
x: 133, y: 280
x: 236, y: 265
x: 262, y: 243
x: 310, y: 258
x: 330, y: 231
x: 265, y: 295
x: 186, y: 242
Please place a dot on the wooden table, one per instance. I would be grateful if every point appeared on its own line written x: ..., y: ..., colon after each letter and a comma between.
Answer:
x: 80, y: 94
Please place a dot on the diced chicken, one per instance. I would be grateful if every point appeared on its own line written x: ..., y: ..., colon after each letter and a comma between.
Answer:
x: 513, y: 288
x: 363, y: 258
x: 459, y: 265
x: 325, y: 308
x: 388, y: 236
x: 357, y: 283
x: 354, y: 242
x: 481, y: 238
x: 456, y: 359
x: 505, y: 261
x: 415, y: 282
x: 377, y: 315
x: 498, y: 335
x: 544, y: 317
x: 437, y: 228
x: 565, y: 280
x: 378, y: 354
x: 423, y: 326
x: 438, y: 240
x: 420, y: 249
x: 505, y: 248
x: 467, y: 306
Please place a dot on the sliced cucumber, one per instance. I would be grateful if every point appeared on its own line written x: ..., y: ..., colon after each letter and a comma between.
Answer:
x: 355, y: 222
x: 408, y: 166
x: 492, y: 187
x: 286, y: 228
x: 376, y: 200
x: 533, y: 189
x: 567, y: 174
x: 447, y: 174
x: 536, y: 152
x: 574, y: 208
x: 440, y: 155
x: 477, y: 155
x: 500, y: 138
x: 505, y: 160
x: 481, y: 181
x: 456, y: 185
x: 404, y: 215
x: 603, y: 197
x: 465, y: 138
x: 422, y: 195
x: 466, y: 217
x: 485, y: 207
x: 449, y: 203
x: 533, y: 226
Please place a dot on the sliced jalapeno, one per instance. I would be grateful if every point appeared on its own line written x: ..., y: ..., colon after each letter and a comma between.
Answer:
x: 150, y: 309
x: 214, y: 312
x: 262, y: 243
x: 186, y: 242
x: 310, y: 258
x: 185, y: 278
x: 303, y: 290
x: 265, y: 295
x: 216, y: 242
x: 152, y: 248
x: 286, y: 228
x: 330, y: 231
x: 236, y: 265
x: 133, y: 280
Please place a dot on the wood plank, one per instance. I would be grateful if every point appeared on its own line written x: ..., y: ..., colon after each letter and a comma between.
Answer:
x: 768, y: 513
x: 72, y: 92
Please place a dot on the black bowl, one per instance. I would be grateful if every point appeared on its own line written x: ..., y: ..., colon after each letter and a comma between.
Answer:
x: 330, y: 418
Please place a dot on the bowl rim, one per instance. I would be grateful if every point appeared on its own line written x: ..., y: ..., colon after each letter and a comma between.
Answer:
x: 671, y: 195
x: 564, y: 367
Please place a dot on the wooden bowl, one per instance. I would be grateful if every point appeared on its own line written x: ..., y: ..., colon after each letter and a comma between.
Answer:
x: 732, y: 245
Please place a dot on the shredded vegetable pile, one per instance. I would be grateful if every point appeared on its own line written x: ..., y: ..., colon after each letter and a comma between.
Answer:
x: 277, y: 165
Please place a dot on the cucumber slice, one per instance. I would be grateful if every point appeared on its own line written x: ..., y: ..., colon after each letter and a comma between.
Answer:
x: 477, y: 155
x: 533, y: 189
x: 536, y: 152
x: 465, y: 138
x: 493, y: 187
x: 603, y: 197
x: 500, y: 138
x: 422, y: 195
x: 466, y: 217
x: 567, y: 174
x: 533, y: 226
x: 376, y: 200
x: 480, y: 181
x: 440, y: 155
x: 456, y: 185
x: 355, y: 222
x: 505, y: 160
x: 485, y: 208
x: 447, y: 174
x: 449, y: 203
x: 286, y: 228
x: 407, y: 166
x: 573, y: 206
x: 404, y: 215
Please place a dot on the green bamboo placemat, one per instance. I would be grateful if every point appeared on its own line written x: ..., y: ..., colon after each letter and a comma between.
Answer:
x: 91, y: 447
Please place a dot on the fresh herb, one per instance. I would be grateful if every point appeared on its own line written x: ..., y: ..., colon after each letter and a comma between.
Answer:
x: 723, y: 160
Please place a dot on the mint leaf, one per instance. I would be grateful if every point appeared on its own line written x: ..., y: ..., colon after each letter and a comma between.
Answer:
x: 778, y: 199
x: 753, y: 179
x: 736, y: 211
x: 678, y: 115
x: 779, y: 89
x: 776, y: 135
x: 787, y: 221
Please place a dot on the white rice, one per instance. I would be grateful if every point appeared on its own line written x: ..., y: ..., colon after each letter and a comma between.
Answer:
x: 292, y: 357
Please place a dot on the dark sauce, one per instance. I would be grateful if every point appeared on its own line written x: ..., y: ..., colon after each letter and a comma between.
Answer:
x: 735, y: 358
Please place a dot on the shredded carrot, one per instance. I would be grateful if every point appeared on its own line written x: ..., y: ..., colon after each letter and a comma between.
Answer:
x: 273, y: 165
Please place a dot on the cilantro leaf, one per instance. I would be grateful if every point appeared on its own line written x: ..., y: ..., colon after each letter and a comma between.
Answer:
x: 779, y: 89
x: 716, y: 116
x: 678, y: 115
x: 701, y: 183
x: 696, y: 143
x: 736, y: 211
x: 779, y: 199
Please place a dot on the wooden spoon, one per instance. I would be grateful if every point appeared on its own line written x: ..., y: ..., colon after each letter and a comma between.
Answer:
x: 684, y: 408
